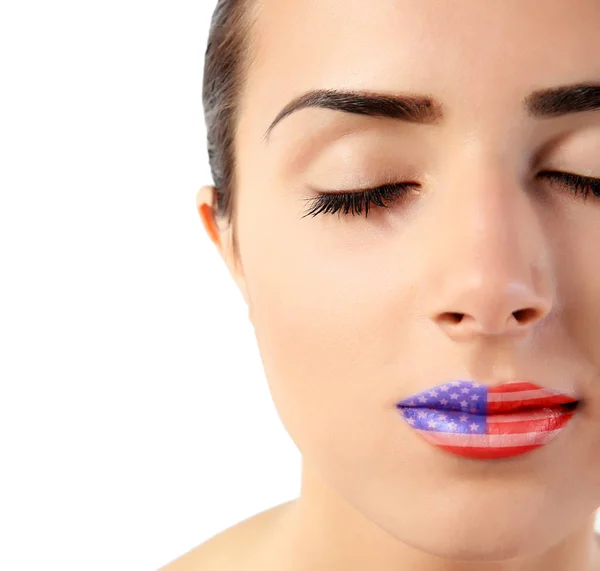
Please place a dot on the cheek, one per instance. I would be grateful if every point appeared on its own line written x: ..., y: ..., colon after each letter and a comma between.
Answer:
x: 308, y: 319
x: 327, y: 327
x: 578, y: 301
x: 328, y: 344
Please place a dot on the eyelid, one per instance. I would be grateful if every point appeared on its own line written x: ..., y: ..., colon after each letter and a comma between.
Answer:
x: 335, y: 201
x: 369, y: 189
x: 332, y: 202
x: 370, y: 183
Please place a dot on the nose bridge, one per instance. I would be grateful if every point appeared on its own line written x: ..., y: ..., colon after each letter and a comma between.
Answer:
x: 480, y: 213
x: 490, y: 267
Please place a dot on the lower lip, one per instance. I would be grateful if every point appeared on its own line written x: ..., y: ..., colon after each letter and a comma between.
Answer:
x: 486, y: 437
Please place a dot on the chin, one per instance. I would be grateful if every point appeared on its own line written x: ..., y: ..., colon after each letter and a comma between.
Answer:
x: 491, y: 530
x: 478, y: 543
x: 478, y: 530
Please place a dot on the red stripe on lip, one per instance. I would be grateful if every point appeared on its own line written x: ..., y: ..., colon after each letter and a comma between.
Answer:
x: 538, y: 420
x: 488, y: 453
x: 495, y: 407
x: 516, y: 386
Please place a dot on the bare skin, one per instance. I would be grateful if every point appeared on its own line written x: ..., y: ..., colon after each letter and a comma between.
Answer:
x: 262, y: 543
x: 352, y: 313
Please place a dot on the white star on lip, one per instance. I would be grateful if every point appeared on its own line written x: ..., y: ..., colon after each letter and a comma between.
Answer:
x: 422, y: 399
x: 444, y: 401
x: 474, y: 397
x: 452, y: 426
x: 454, y: 395
x: 474, y: 427
x: 431, y: 424
x: 464, y: 391
x: 433, y: 393
x: 464, y: 418
x: 464, y: 403
x: 442, y: 417
x: 422, y: 414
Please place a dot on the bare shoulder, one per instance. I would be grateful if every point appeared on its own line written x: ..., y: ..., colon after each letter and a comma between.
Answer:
x: 230, y: 549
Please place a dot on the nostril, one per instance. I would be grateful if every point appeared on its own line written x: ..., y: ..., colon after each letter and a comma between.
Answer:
x: 525, y: 315
x: 453, y: 318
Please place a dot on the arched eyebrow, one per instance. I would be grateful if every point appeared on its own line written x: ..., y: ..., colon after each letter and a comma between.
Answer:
x: 563, y: 100
x: 542, y: 103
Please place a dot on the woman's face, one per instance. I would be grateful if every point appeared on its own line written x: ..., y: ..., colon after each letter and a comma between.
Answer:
x: 355, y: 313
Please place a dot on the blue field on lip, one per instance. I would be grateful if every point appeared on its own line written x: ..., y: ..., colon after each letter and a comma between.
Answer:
x: 458, y: 396
x: 445, y: 421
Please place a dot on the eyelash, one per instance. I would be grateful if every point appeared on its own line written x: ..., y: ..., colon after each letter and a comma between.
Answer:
x: 355, y: 201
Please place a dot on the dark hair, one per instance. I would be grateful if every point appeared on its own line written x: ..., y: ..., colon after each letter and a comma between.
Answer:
x: 227, y: 61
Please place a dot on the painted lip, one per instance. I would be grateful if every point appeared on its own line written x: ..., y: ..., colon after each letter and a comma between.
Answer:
x: 471, y: 419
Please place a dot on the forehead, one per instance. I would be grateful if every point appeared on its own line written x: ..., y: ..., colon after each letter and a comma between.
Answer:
x: 470, y: 55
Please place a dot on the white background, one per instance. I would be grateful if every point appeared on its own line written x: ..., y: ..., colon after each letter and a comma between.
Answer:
x: 135, y: 419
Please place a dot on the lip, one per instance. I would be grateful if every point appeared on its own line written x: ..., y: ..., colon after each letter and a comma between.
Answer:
x: 471, y: 419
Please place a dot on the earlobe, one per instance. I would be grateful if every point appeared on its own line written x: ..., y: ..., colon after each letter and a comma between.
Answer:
x: 208, y: 221
x: 204, y: 202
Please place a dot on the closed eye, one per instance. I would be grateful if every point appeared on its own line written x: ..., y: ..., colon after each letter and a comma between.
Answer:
x: 579, y: 185
x: 353, y: 202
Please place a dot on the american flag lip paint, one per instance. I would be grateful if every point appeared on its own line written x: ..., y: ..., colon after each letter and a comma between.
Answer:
x: 470, y: 419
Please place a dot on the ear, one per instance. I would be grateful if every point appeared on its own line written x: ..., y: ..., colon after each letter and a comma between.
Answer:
x: 221, y: 235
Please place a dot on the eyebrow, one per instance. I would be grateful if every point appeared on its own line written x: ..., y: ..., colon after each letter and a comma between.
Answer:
x: 542, y: 103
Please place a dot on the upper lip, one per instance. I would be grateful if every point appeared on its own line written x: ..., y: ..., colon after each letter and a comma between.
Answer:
x: 443, y: 396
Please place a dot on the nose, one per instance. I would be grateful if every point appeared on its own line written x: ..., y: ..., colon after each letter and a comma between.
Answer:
x: 490, y: 274
x: 513, y: 312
